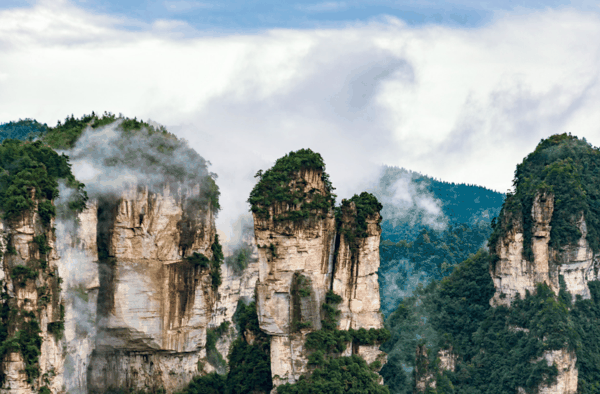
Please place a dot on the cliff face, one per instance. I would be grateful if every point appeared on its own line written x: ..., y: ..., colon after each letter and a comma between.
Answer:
x: 513, y: 274
x: 299, y: 261
x: 154, y: 306
x: 31, y: 306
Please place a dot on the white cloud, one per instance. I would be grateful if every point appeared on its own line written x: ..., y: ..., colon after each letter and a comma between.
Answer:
x: 462, y: 105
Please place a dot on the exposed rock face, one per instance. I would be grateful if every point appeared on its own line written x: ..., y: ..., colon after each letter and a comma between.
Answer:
x: 154, y: 307
x: 78, y: 266
x: 308, y: 255
x: 236, y: 286
x: 34, y: 300
x: 567, y: 372
x: 513, y: 274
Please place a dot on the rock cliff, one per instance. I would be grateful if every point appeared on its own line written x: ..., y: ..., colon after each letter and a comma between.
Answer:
x: 155, y: 305
x: 32, y: 309
x: 303, y: 254
x: 543, y: 235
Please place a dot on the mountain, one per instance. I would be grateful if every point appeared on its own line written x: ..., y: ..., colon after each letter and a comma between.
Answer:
x: 428, y: 227
x: 121, y: 285
x: 24, y: 130
x: 523, y: 317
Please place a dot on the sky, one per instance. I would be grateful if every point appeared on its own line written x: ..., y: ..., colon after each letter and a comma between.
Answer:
x: 458, y: 90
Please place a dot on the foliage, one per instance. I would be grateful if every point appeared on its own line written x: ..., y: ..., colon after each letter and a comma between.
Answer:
x: 454, y: 204
x: 213, y: 383
x: 23, y: 129
x: 215, y: 263
x: 146, y: 149
x: 283, y: 187
x: 499, y: 349
x: 57, y: 328
x: 200, y: 261
x: 352, y: 223
x: 27, y: 166
x: 586, y: 318
x: 337, y: 375
x: 22, y: 273
x: 568, y: 169
x: 64, y: 135
x: 334, y: 374
x: 249, y: 364
x: 28, y: 342
x: 212, y: 354
x: 432, y: 255
x: 240, y: 258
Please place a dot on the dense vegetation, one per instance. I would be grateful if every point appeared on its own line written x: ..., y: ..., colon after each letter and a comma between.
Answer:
x: 281, y: 188
x: 330, y: 372
x: 499, y: 349
x: 249, y: 360
x: 353, y: 224
x: 413, y: 202
x: 198, y: 260
x: 240, y: 257
x: 30, y: 173
x: 24, y: 130
x: 28, y: 166
x: 428, y: 227
x: 431, y: 256
x: 159, y: 156
x: 568, y: 169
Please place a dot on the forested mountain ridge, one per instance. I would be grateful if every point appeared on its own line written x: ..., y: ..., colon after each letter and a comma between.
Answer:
x: 524, y: 316
x: 428, y: 227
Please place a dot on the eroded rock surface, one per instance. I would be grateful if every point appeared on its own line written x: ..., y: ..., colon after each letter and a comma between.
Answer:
x: 299, y: 262
x: 154, y: 306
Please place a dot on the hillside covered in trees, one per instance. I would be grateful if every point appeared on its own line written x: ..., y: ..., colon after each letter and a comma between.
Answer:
x: 501, y: 349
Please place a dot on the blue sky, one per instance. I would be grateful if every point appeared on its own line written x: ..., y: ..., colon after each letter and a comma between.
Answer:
x: 252, y: 15
x: 461, y: 91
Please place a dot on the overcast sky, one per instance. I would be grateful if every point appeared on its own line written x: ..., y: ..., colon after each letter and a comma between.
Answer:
x: 458, y: 90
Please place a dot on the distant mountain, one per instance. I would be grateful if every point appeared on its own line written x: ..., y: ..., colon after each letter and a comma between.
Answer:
x: 428, y: 227
x: 23, y: 129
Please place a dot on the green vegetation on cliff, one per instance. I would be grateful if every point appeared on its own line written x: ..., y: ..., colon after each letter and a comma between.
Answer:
x: 431, y: 256
x: 501, y: 349
x: 29, y: 166
x: 249, y: 360
x: 567, y: 168
x: 331, y: 373
x: 365, y: 205
x: 281, y: 186
x: 498, y: 349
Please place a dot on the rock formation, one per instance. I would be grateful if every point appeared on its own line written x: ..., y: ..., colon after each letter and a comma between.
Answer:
x: 514, y: 274
x: 32, y: 312
x: 299, y: 262
x: 155, y: 306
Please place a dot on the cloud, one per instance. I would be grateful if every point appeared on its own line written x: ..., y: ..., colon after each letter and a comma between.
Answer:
x: 462, y: 105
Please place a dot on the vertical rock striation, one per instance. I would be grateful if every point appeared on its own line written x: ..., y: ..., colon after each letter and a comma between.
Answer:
x: 155, y: 305
x: 32, y: 311
x: 304, y: 252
